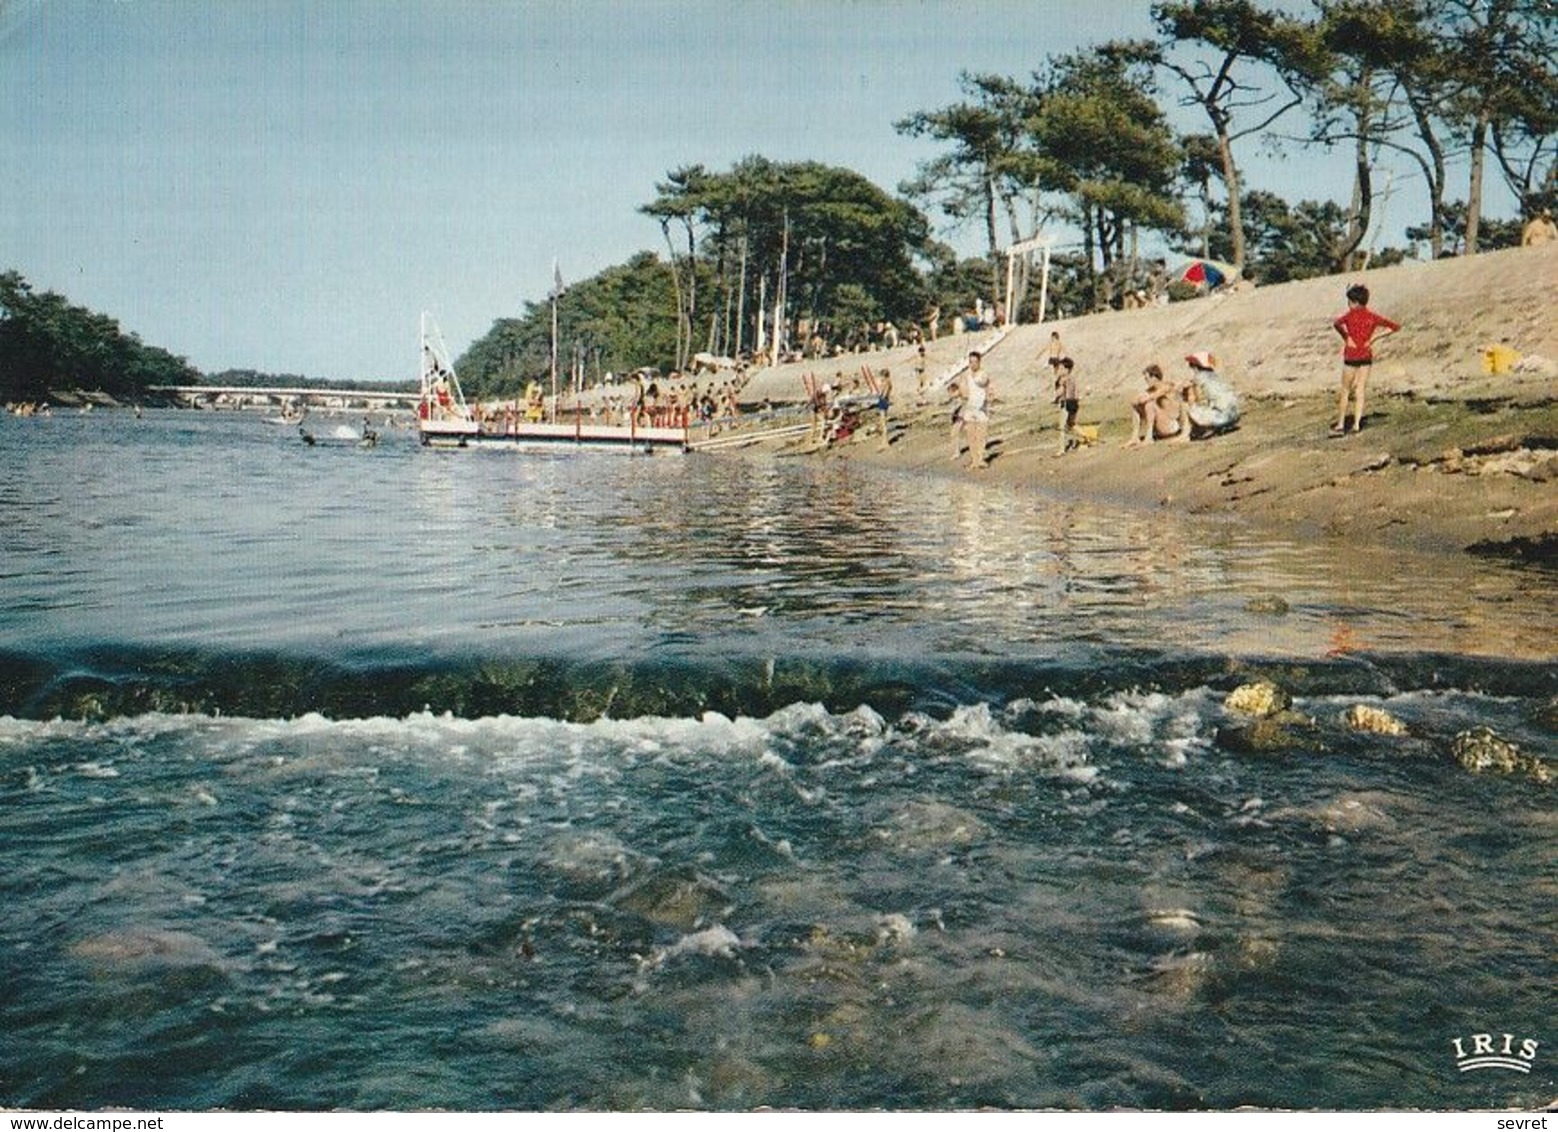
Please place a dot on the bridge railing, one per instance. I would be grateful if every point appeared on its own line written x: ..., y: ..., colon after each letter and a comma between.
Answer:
x: 263, y: 396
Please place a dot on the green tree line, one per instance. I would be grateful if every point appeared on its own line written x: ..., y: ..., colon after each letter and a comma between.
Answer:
x: 47, y: 344
x: 258, y: 379
x: 1087, y: 141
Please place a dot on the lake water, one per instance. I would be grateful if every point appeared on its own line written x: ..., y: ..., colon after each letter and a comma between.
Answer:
x: 399, y: 779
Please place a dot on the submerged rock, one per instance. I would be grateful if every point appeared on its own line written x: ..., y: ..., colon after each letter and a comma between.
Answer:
x: 1546, y: 716
x: 931, y: 826
x: 1256, y: 953
x: 146, y: 949
x: 1541, y: 547
x: 1267, y: 603
x: 734, y: 1082
x: 1351, y: 815
x: 1483, y: 751
x: 974, y: 1048
x: 680, y: 902
x: 1273, y: 734
x: 1347, y: 815
x: 590, y: 859
x: 1261, y: 698
x: 718, y: 942
x: 1180, y: 976
x: 1174, y: 921
x: 1361, y: 717
x: 894, y: 928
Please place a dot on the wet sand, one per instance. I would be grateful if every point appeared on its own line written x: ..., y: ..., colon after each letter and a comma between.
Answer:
x: 1451, y: 458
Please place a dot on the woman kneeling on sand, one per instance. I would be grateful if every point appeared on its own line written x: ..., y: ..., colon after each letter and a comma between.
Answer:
x: 1210, y: 406
x: 1155, y: 412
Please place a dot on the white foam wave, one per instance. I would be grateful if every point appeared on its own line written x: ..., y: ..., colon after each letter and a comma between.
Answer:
x: 986, y: 739
x: 1057, y: 736
x: 717, y: 942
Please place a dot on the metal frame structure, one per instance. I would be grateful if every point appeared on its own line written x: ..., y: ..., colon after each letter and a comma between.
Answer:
x: 1022, y: 248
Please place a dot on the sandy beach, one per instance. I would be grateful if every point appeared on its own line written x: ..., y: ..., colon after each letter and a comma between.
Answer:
x: 1451, y: 458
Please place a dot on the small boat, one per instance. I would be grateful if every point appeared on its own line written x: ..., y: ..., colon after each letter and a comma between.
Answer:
x: 341, y: 436
x: 445, y: 419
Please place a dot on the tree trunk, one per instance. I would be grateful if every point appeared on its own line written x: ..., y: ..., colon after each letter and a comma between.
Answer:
x: 1206, y: 219
x: 1036, y: 225
x: 1434, y: 168
x: 719, y: 342
x: 992, y: 238
x: 692, y: 291
x: 815, y: 302
x: 1018, y: 270
x: 741, y: 298
x: 682, y: 329
x: 1108, y: 258
x: 1361, y: 205
x: 1133, y: 271
x: 1104, y: 290
x: 1345, y: 258
x: 1479, y: 146
x: 1235, y: 209
x: 1087, y: 253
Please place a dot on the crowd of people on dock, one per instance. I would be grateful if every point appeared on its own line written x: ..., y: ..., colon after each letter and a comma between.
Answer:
x: 644, y: 401
x: 676, y: 404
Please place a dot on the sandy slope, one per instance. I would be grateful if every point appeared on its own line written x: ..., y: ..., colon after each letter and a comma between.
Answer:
x: 1450, y: 457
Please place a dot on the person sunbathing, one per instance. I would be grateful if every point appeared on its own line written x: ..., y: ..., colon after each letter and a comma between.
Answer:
x: 1155, y: 412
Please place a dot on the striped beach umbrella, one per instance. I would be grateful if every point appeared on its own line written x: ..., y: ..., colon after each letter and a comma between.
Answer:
x: 1209, y: 271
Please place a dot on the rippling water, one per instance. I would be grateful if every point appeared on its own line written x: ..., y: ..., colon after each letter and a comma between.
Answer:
x: 401, y: 779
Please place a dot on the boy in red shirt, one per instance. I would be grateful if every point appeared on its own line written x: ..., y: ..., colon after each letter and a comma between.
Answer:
x: 1359, y: 327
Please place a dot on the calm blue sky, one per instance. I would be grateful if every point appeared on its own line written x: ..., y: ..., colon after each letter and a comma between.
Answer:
x: 284, y: 185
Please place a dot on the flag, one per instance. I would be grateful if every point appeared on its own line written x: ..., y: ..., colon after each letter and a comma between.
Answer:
x: 557, y: 281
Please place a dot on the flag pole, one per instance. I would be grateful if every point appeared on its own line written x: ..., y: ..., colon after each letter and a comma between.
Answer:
x: 557, y: 290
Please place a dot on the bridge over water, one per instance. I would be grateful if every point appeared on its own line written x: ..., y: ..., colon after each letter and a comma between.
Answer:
x: 255, y: 397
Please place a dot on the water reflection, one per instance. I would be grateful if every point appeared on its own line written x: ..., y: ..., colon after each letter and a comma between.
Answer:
x: 875, y: 560
x: 219, y: 530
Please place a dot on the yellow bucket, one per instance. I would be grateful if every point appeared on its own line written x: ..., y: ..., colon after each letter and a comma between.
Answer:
x: 1499, y: 359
